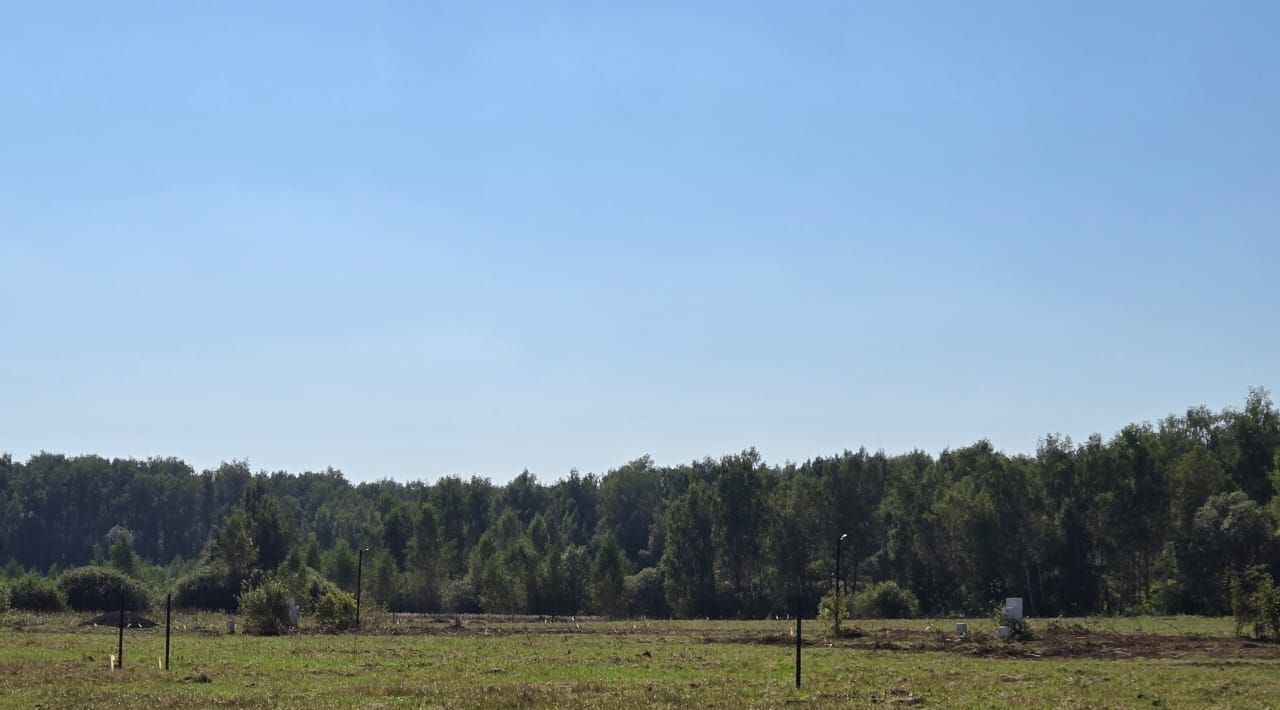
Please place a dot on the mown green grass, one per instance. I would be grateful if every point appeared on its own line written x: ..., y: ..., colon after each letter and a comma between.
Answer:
x: 50, y: 662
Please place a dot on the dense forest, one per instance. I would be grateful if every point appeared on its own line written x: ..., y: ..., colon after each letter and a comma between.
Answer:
x: 1158, y: 518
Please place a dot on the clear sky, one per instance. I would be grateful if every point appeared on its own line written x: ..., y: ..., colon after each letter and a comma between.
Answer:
x: 411, y: 239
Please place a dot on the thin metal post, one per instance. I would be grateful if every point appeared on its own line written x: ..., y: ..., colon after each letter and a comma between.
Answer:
x: 120, y: 641
x: 799, y: 608
x: 359, y: 577
x: 168, y: 615
x: 838, y: 580
x: 838, y: 585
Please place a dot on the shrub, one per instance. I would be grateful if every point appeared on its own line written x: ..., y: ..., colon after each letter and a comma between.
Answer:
x: 459, y: 597
x: 827, y: 609
x: 307, y: 586
x: 266, y: 608
x: 1266, y: 598
x: 97, y: 588
x: 209, y: 586
x: 4, y: 598
x: 11, y: 569
x: 1255, y: 601
x: 35, y: 593
x: 645, y: 593
x: 336, y: 609
x: 1019, y: 629
x: 885, y: 600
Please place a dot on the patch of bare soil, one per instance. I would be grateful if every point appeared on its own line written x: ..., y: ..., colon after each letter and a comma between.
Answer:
x: 1047, y: 643
x: 483, y: 625
x: 1051, y: 640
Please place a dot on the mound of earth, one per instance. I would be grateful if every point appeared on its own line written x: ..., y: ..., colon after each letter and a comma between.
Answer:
x: 112, y: 619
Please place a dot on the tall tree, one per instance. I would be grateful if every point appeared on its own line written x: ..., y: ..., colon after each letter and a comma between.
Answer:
x: 424, y: 562
x: 608, y: 573
x: 121, y: 552
x: 689, y: 561
x: 397, y: 531
x: 267, y: 525
x: 629, y: 500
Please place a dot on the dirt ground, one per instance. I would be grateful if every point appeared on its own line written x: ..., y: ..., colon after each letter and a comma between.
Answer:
x: 1049, y: 639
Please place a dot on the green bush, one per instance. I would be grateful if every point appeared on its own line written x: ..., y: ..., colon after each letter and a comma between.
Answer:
x: 307, y: 586
x: 336, y: 609
x: 1255, y: 601
x: 32, y: 592
x: 208, y: 587
x: 1266, y: 598
x: 885, y: 600
x: 95, y: 588
x: 1019, y: 630
x: 266, y: 608
x: 4, y: 599
x: 646, y: 595
x: 460, y: 597
x: 827, y: 608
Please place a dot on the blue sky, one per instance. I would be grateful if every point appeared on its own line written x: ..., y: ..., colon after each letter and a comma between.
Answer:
x: 411, y: 239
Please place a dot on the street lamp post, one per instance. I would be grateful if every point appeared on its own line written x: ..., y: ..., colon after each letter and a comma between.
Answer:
x: 838, y: 580
x: 359, y: 578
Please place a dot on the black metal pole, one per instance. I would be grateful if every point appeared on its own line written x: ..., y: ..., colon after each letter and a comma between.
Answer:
x: 839, y: 580
x: 120, y: 640
x: 359, y: 575
x: 799, y: 609
x: 168, y: 615
x: 838, y: 541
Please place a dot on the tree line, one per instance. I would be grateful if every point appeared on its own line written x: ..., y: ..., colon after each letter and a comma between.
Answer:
x: 1159, y: 518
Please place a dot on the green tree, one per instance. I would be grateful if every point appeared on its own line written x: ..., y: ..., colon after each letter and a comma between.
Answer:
x: 645, y: 594
x: 689, y: 559
x: 1248, y: 444
x: 1195, y: 477
x: 340, y: 566
x: 524, y: 496
x: 553, y: 595
x: 267, y: 526
x: 539, y: 535
x: 424, y: 561
x: 234, y: 545
x: 312, y: 555
x: 386, y: 578
x: 608, y: 574
x: 520, y: 561
x: 1275, y: 485
x: 397, y: 532
x: 629, y: 502
x: 575, y: 564
x: 739, y: 506
x: 123, y: 557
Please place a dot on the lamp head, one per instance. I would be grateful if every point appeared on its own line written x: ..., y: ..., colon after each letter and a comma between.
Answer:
x: 843, y: 536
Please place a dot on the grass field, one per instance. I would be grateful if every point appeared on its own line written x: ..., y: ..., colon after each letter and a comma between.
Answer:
x: 53, y: 661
